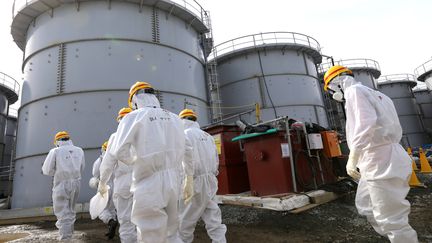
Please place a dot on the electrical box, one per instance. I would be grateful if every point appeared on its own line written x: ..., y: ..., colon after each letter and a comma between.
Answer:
x: 315, y: 141
x: 331, y: 144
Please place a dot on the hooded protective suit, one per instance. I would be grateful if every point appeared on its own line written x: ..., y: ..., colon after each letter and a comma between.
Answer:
x: 152, y: 140
x: 373, y: 133
x: 110, y: 211
x: 65, y: 163
x: 205, y: 161
x: 122, y: 195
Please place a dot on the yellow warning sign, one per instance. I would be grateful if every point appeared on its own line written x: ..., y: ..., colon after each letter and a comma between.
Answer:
x: 217, y: 139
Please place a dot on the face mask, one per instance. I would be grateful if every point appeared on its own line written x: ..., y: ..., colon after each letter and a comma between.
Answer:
x: 336, y: 87
x: 338, y: 96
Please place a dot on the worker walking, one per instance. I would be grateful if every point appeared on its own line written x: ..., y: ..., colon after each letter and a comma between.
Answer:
x: 373, y: 134
x: 108, y: 215
x: 200, y: 201
x: 65, y: 163
x: 151, y: 139
x: 122, y: 196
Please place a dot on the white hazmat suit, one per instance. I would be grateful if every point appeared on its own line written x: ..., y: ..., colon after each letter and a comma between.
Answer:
x: 65, y: 163
x: 152, y: 140
x: 109, y: 212
x: 122, y: 196
x: 373, y: 134
x: 205, y: 161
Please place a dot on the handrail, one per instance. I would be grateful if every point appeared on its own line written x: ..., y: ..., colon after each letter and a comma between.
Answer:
x: 256, y: 40
x: 424, y: 68
x: 397, y: 77
x: 191, y: 5
x: 9, y: 82
x: 351, y: 63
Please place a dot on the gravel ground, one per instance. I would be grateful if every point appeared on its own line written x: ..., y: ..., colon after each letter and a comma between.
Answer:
x: 336, y: 221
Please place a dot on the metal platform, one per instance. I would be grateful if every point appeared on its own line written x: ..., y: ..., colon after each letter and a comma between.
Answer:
x: 423, y: 71
x: 355, y: 64
x: 268, y: 41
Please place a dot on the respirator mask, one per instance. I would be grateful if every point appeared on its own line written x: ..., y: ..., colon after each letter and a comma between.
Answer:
x: 335, y: 88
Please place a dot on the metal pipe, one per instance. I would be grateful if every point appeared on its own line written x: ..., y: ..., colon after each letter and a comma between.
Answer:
x: 320, y: 167
x: 288, y: 134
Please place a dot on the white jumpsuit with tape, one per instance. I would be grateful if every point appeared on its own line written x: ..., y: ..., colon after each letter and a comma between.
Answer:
x: 374, y: 131
x: 122, y: 196
x: 151, y: 139
x: 66, y: 164
x: 204, y: 158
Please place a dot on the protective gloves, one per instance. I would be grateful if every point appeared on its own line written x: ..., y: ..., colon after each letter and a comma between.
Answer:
x: 103, y: 188
x: 351, y: 166
x: 93, y: 182
x: 188, y: 190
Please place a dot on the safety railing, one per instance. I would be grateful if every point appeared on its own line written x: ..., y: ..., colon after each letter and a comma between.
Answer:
x: 9, y: 82
x: 397, y: 77
x: 424, y: 68
x: 351, y: 63
x: 266, y: 38
x: 13, y: 112
x: 190, y: 5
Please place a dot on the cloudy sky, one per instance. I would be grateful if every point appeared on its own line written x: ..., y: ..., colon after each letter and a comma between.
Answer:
x: 396, y: 33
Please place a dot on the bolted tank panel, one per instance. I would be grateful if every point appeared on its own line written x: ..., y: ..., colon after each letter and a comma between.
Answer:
x: 398, y: 87
x: 422, y: 93
x: 9, y: 89
x: 280, y: 64
x: 10, y: 138
x: 79, y: 64
x: 423, y: 98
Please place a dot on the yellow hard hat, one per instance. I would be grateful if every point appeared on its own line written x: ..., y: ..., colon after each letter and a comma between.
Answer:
x: 187, y: 113
x: 333, y: 72
x: 60, y: 135
x: 123, y: 112
x: 137, y: 86
x: 105, y: 145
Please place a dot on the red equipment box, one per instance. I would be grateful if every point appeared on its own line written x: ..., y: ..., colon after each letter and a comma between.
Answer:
x: 233, y: 173
x: 269, y: 166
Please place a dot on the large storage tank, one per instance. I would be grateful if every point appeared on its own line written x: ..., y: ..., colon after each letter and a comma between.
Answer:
x: 9, y: 89
x: 423, y: 98
x: 276, y: 70
x: 399, y: 88
x: 80, y: 59
x: 366, y: 71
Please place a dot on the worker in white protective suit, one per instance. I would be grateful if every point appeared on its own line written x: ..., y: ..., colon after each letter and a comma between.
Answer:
x: 122, y: 195
x: 201, y: 151
x: 108, y: 215
x: 66, y: 164
x: 152, y: 140
x: 373, y: 134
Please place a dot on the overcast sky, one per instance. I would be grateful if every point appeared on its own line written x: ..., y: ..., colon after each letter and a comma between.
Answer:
x: 396, y: 33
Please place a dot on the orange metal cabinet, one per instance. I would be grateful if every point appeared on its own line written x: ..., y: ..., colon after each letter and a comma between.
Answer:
x: 331, y: 144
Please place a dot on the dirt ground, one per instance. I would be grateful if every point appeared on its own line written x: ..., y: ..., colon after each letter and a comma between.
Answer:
x: 336, y: 221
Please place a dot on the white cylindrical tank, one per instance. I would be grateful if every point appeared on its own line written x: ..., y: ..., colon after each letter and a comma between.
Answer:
x: 398, y: 87
x: 277, y: 70
x: 80, y: 59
